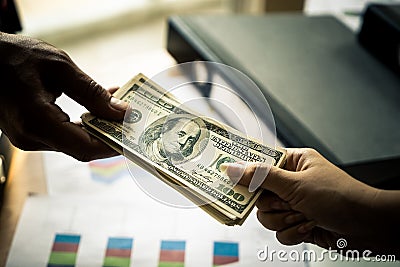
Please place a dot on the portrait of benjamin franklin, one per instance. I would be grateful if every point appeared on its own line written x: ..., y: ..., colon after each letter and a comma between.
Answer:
x: 174, y: 139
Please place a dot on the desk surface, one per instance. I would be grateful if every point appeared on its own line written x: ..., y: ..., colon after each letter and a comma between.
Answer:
x: 26, y: 177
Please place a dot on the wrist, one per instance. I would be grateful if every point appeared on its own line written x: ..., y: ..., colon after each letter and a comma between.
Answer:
x: 386, y: 212
x: 363, y: 206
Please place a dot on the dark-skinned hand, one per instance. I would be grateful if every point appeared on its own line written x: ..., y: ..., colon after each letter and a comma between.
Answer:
x: 33, y: 75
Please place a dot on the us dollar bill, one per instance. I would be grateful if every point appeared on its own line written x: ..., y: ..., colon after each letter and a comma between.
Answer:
x: 183, y: 148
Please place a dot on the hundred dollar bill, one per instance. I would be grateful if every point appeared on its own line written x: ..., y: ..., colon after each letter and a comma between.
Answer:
x: 184, y: 149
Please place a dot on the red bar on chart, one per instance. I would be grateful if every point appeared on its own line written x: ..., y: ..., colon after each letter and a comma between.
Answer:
x: 64, y: 250
x: 225, y: 253
x: 118, y: 252
x: 172, y: 253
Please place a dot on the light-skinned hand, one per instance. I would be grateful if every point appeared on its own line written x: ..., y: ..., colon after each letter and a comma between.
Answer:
x: 312, y: 200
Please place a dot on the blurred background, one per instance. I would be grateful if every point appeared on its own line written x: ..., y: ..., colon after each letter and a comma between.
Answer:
x: 114, y: 40
x: 66, y: 19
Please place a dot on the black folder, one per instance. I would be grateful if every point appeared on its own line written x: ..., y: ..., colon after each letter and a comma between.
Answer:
x: 324, y: 89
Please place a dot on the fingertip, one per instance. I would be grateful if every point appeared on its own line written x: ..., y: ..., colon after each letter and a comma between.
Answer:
x: 250, y: 174
x: 118, y: 104
x: 95, y: 98
x: 223, y: 167
x: 234, y: 171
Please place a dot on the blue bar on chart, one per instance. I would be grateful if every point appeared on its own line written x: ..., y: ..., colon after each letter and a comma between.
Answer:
x: 118, y: 252
x: 64, y: 250
x: 172, y: 253
x: 225, y: 253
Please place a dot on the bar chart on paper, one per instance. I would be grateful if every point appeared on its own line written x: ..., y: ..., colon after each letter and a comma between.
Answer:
x: 225, y: 253
x: 119, y: 249
x: 172, y: 254
x: 64, y: 250
x: 79, y: 231
x: 118, y: 252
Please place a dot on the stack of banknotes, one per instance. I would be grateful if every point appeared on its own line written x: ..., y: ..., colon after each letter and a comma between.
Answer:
x: 183, y: 149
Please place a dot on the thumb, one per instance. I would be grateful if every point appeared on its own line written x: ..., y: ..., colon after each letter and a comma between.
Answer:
x: 274, y: 179
x: 84, y: 90
x: 96, y: 99
x: 280, y: 181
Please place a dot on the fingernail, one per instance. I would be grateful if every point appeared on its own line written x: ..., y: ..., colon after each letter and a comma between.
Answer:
x: 292, y: 218
x: 233, y: 170
x: 304, y: 228
x: 223, y: 167
x: 118, y: 104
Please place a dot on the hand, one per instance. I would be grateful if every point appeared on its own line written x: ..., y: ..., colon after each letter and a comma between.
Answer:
x: 34, y: 74
x: 314, y: 201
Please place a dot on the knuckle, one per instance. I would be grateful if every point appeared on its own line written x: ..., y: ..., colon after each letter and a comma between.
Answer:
x: 251, y: 169
x: 62, y: 61
x: 310, y: 152
x: 96, y: 90
x: 92, y: 93
x: 58, y: 53
x: 46, y: 51
x: 62, y: 54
